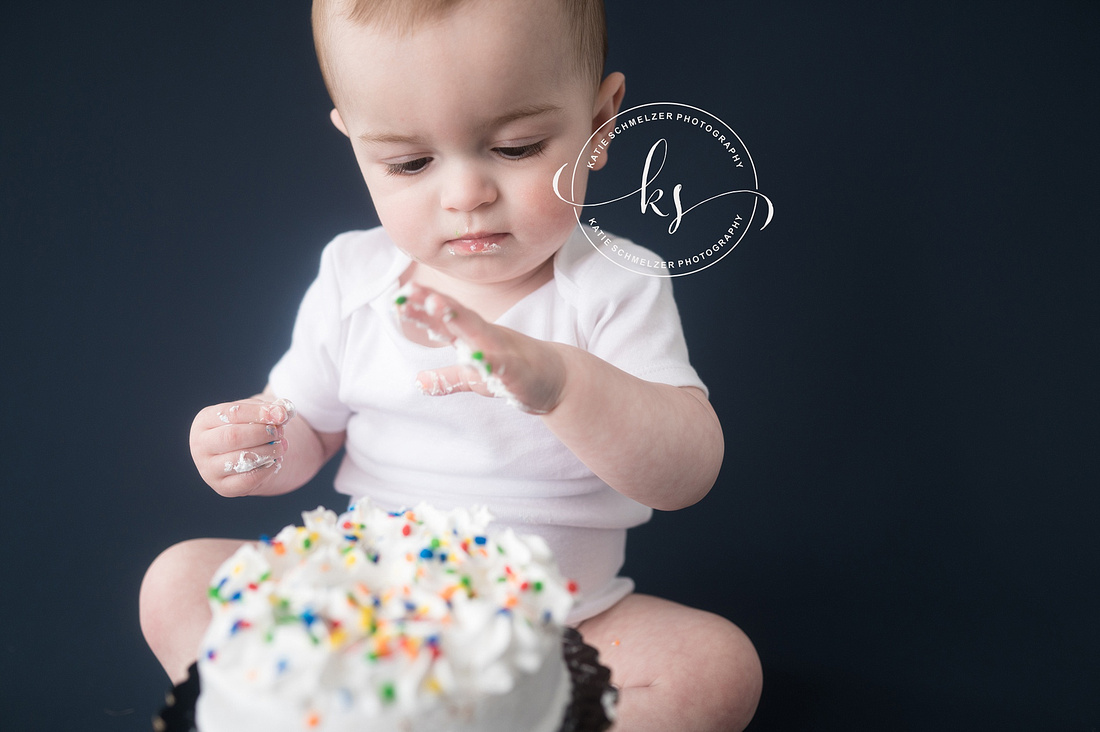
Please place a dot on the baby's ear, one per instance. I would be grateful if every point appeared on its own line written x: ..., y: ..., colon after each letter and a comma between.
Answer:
x: 609, y: 97
x: 338, y: 121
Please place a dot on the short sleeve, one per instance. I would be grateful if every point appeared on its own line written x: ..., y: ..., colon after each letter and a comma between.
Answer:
x: 630, y: 320
x: 308, y: 374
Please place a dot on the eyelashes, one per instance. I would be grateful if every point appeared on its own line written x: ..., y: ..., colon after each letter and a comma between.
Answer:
x: 518, y: 152
x: 409, y: 167
x: 522, y: 151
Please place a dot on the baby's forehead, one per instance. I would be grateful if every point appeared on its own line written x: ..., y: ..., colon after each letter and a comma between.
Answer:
x: 481, y: 41
x: 405, y: 17
x: 556, y: 30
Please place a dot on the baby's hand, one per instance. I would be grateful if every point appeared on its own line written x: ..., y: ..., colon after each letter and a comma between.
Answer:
x: 239, y: 446
x: 492, y: 360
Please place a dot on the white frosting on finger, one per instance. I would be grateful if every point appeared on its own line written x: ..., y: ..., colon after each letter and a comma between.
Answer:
x: 490, y: 376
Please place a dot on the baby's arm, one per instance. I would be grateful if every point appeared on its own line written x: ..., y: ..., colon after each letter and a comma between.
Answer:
x: 658, y: 444
x: 257, y: 447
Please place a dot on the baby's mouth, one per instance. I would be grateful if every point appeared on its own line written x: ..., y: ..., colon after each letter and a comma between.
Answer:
x: 478, y: 243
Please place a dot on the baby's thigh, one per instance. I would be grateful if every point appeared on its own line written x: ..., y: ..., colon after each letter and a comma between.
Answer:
x: 191, y: 562
x: 174, y: 590
x: 648, y: 641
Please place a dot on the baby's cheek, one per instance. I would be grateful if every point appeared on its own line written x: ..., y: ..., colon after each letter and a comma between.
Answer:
x: 545, y: 210
x: 403, y: 220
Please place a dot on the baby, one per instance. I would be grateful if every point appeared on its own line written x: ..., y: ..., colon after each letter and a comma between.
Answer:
x: 522, y: 370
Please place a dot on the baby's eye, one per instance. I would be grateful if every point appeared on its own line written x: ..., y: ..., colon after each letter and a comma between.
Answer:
x: 409, y: 167
x: 521, y: 151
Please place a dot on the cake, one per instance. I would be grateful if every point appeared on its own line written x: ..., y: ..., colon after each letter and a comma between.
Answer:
x: 392, y: 622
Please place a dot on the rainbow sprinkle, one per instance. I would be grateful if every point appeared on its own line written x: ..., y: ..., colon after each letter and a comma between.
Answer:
x: 382, y: 589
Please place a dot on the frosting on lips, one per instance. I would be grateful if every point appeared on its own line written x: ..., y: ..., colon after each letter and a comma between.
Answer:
x: 475, y: 244
x: 411, y: 620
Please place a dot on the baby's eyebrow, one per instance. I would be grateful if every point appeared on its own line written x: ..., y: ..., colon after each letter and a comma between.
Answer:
x: 534, y: 110
x: 387, y: 138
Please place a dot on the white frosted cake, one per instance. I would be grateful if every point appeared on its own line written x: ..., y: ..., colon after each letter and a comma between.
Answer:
x: 410, y: 622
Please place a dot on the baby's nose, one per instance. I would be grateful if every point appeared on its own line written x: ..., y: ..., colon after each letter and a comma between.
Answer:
x: 467, y: 187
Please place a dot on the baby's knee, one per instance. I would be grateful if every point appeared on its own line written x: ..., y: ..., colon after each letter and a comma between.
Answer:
x: 174, y: 586
x: 736, y: 672
x: 160, y: 587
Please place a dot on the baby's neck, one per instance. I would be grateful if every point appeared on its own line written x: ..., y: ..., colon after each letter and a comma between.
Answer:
x: 489, y: 300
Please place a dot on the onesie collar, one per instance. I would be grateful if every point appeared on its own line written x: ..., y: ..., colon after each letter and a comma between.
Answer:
x: 368, y: 265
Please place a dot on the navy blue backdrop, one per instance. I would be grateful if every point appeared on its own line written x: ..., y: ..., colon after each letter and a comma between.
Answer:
x: 904, y: 361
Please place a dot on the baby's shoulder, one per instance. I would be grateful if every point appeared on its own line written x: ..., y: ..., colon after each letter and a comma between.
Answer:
x: 585, y: 274
x: 368, y: 252
x: 361, y: 265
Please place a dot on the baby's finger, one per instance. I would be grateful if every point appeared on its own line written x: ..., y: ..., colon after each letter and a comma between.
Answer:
x: 465, y: 325
x: 475, y: 378
x: 247, y: 461
x: 249, y: 411
x: 450, y: 380
x: 242, y: 473
x: 233, y: 438
x: 427, y: 309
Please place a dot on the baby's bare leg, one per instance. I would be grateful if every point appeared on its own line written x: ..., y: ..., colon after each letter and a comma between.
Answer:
x: 174, y: 606
x: 677, y: 668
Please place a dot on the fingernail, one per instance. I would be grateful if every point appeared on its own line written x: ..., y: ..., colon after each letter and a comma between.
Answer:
x: 272, y: 414
x: 288, y: 405
x: 278, y: 412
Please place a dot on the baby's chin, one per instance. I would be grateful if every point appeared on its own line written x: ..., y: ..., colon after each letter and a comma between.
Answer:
x: 497, y: 267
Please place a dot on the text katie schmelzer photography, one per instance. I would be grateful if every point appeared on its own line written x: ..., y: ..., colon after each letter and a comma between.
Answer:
x: 697, y: 152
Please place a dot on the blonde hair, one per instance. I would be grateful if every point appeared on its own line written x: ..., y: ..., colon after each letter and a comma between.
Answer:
x: 586, y: 20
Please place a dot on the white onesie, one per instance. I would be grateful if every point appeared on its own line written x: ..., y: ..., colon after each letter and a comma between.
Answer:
x: 349, y: 367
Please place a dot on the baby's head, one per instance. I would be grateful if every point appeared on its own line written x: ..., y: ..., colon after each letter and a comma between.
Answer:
x: 584, y: 26
x: 459, y: 113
